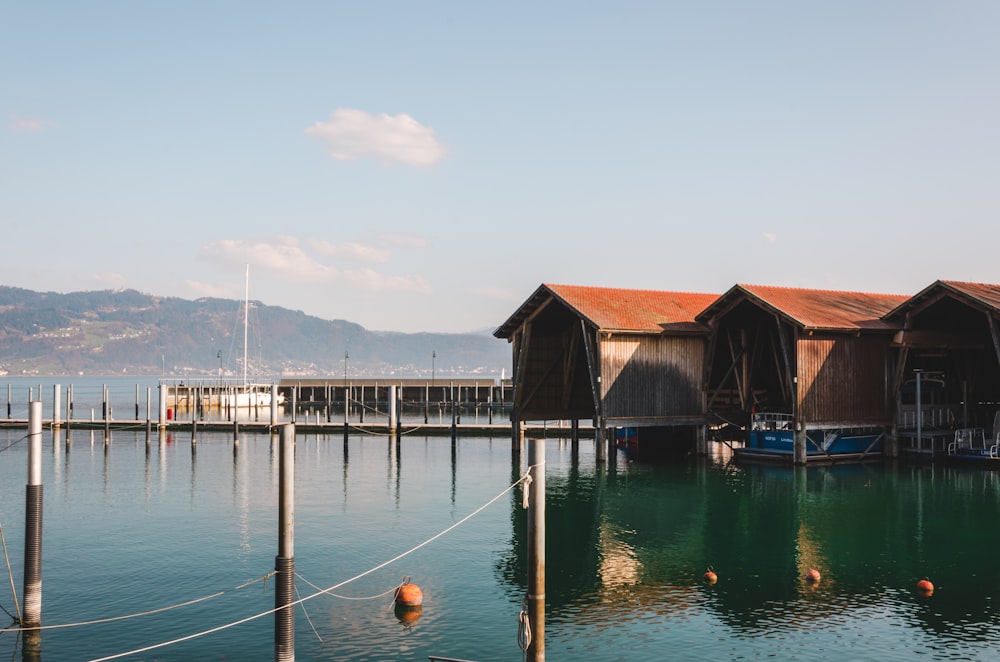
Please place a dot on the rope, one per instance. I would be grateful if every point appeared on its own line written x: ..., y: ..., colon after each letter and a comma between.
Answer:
x: 12, y: 444
x: 136, y: 615
x: 309, y: 620
x: 322, y: 592
x: 347, y: 597
x: 524, y: 628
x: 10, y: 573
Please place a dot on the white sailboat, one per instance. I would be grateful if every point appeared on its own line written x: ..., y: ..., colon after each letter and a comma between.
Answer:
x: 247, y: 394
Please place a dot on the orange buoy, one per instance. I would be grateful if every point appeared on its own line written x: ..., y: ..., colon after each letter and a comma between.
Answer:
x: 813, y: 576
x: 710, y: 576
x: 925, y: 586
x: 409, y: 595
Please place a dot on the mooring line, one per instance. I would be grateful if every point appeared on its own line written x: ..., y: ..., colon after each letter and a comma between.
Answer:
x: 139, y: 614
x: 12, y: 444
x: 324, y: 591
x: 347, y: 597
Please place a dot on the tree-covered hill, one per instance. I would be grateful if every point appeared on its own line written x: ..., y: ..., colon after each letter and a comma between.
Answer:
x: 114, y: 332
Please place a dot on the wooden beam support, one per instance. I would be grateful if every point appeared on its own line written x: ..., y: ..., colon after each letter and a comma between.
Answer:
x: 592, y: 367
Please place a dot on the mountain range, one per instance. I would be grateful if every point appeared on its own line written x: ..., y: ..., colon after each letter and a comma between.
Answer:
x: 112, y: 332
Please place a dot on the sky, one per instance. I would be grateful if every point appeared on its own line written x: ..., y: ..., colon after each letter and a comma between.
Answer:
x: 425, y: 166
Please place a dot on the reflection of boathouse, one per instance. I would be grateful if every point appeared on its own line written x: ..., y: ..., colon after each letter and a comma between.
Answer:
x: 615, y: 356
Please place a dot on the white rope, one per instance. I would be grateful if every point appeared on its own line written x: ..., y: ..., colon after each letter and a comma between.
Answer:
x: 136, y: 615
x: 324, y: 591
x: 347, y: 597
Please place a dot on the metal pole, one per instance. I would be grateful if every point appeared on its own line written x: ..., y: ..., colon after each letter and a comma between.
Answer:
x: 163, y: 406
x: 536, y: 550
x: 56, y: 405
x: 274, y: 404
x: 33, y: 530
x: 392, y: 408
x: 284, y: 562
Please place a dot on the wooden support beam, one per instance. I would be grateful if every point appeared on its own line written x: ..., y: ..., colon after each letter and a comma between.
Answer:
x: 592, y: 368
x: 569, y: 367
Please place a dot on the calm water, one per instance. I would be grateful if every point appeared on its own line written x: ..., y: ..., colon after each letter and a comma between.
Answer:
x: 126, y: 530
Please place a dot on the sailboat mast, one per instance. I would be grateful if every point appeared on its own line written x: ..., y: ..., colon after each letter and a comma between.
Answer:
x: 246, y: 323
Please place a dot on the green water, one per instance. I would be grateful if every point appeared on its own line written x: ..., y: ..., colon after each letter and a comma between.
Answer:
x: 130, y: 529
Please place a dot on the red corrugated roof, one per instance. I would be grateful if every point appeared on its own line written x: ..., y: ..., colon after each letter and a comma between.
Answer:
x: 642, y: 311
x: 984, y: 292
x: 823, y: 309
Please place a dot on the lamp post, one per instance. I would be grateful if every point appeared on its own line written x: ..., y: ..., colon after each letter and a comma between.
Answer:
x: 219, y: 356
x: 433, y: 356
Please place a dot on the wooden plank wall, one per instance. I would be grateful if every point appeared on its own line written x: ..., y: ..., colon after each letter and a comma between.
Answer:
x: 651, y: 376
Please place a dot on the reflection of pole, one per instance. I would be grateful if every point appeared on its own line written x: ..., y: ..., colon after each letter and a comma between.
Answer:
x: 33, y: 531
x: 536, y: 550
x: 284, y: 562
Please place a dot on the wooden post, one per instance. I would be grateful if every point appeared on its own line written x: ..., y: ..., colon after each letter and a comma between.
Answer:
x: 600, y: 447
x: 32, y: 591
x: 284, y: 562
x: 536, y: 551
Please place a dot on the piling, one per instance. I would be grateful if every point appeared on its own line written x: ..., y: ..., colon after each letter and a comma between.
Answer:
x: 392, y: 405
x: 274, y: 404
x: 536, y: 551
x: 56, y: 405
x: 284, y: 562
x: 163, y: 407
x: 32, y: 591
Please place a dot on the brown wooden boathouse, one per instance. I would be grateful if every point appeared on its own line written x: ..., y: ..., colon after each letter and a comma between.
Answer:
x: 831, y: 359
x: 618, y: 357
x: 822, y: 356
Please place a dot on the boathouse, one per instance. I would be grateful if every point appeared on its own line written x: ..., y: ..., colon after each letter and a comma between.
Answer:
x: 949, y: 337
x: 619, y: 357
x: 820, y: 357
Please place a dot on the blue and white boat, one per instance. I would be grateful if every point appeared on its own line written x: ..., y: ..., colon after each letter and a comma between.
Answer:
x: 973, y: 447
x: 772, y: 437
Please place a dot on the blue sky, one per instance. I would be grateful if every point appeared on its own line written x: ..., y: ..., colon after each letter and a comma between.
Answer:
x: 424, y: 166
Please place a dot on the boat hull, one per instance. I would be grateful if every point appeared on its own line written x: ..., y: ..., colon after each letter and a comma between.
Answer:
x: 828, y: 445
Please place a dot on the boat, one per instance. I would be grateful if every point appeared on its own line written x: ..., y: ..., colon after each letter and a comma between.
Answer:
x: 972, y: 446
x: 772, y: 437
x: 247, y: 394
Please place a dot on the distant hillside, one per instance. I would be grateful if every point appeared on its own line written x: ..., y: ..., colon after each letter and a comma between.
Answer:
x: 114, y: 332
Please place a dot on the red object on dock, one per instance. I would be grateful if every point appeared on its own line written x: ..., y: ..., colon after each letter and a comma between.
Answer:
x: 170, y: 413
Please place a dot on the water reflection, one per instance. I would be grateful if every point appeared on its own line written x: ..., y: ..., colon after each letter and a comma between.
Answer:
x: 627, y: 544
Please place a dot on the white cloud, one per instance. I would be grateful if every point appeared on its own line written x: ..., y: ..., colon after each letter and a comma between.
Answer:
x: 372, y: 280
x: 403, y: 239
x: 352, y: 250
x: 292, y: 260
x: 770, y: 237
x: 26, y: 125
x: 350, y: 134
